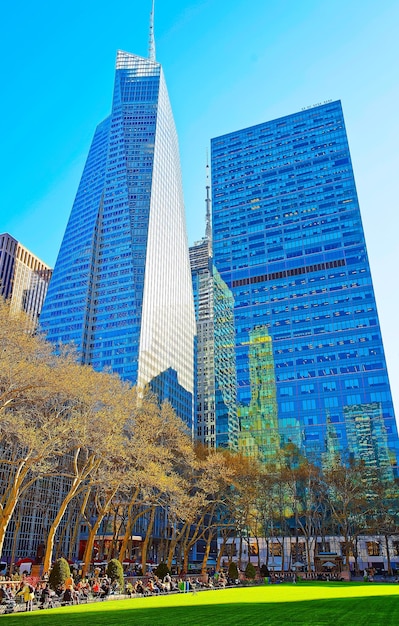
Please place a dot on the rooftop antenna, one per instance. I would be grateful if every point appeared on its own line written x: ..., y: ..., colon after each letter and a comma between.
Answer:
x: 208, y: 231
x: 151, y: 41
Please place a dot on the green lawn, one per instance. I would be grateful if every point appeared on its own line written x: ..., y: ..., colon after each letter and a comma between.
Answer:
x: 316, y: 604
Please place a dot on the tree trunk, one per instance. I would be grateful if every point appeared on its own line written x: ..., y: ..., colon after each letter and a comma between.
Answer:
x: 54, y: 526
x: 4, y: 521
x: 128, y: 534
x: 75, y: 533
x: 240, y: 553
x: 308, y: 549
x: 207, y: 551
x: 389, y: 566
x: 189, y: 543
x: 172, y: 547
x: 356, y: 553
x: 185, y: 551
x: 101, y: 548
x: 14, y: 541
x: 161, y: 550
x: 129, y: 526
x: 346, y: 551
x: 146, y: 541
x: 89, y: 546
x: 11, y: 500
x: 221, y: 552
x: 183, y: 548
x: 173, y: 543
x: 62, y: 535
x: 93, y: 532
x: 78, y: 479
x: 258, y: 551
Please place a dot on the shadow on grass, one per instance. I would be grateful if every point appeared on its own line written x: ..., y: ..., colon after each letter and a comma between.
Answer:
x: 358, y: 611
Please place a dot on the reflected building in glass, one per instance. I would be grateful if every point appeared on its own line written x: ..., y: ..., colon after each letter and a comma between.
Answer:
x: 367, y: 437
x: 227, y: 423
x: 215, y: 407
x: 121, y: 290
x: 259, y: 435
x: 288, y: 241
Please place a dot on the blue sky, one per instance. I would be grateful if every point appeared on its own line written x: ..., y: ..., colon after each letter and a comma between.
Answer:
x: 228, y: 64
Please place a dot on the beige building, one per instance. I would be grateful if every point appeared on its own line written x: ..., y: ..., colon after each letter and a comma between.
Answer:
x: 24, y: 278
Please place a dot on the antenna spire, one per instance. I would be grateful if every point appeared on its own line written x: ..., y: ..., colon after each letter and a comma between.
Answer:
x: 208, y: 232
x: 151, y: 41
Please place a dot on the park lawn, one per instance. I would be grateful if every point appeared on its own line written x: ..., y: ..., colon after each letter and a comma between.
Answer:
x: 315, y: 604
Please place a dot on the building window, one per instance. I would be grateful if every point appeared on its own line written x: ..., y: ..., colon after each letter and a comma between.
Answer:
x: 297, y: 551
x: 343, y: 549
x: 231, y: 549
x: 275, y: 549
x: 323, y: 547
x: 373, y: 548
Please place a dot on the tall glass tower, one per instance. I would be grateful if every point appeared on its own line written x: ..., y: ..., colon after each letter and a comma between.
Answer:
x: 288, y: 241
x: 216, y: 421
x: 121, y: 289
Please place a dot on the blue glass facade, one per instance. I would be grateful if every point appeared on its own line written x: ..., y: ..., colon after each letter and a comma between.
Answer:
x: 121, y: 289
x: 288, y: 241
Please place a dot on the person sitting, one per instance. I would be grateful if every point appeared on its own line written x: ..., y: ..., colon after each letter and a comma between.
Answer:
x: 84, y: 591
x: 159, y: 585
x: 151, y: 587
x: 75, y: 595
x: 45, y: 597
x: 96, y: 589
x: 67, y: 596
x: 222, y: 580
x: 114, y: 589
x: 167, y: 581
x: 8, y: 600
x: 105, y: 590
x: 138, y: 588
x: 129, y: 589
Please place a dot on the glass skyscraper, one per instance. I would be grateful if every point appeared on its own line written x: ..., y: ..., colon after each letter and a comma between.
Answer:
x: 216, y: 421
x: 121, y: 289
x: 288, y: 241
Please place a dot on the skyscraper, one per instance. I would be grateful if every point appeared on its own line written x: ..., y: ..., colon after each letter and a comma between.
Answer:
x: 216, y: 422
x: 289, y: 243
x: 24, y: 278
x: 121, y: 290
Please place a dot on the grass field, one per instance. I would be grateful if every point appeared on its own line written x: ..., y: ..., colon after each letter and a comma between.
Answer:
x: 316, y: 604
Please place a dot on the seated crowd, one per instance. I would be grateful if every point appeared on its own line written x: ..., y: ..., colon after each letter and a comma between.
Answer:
x: 99, y: 587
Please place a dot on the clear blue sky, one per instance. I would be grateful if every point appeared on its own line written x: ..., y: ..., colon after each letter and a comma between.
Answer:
x: 228, y: 64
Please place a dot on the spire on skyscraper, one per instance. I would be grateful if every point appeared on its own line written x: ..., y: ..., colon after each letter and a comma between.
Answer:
x: 151, y: 42
x: 208, y: 231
